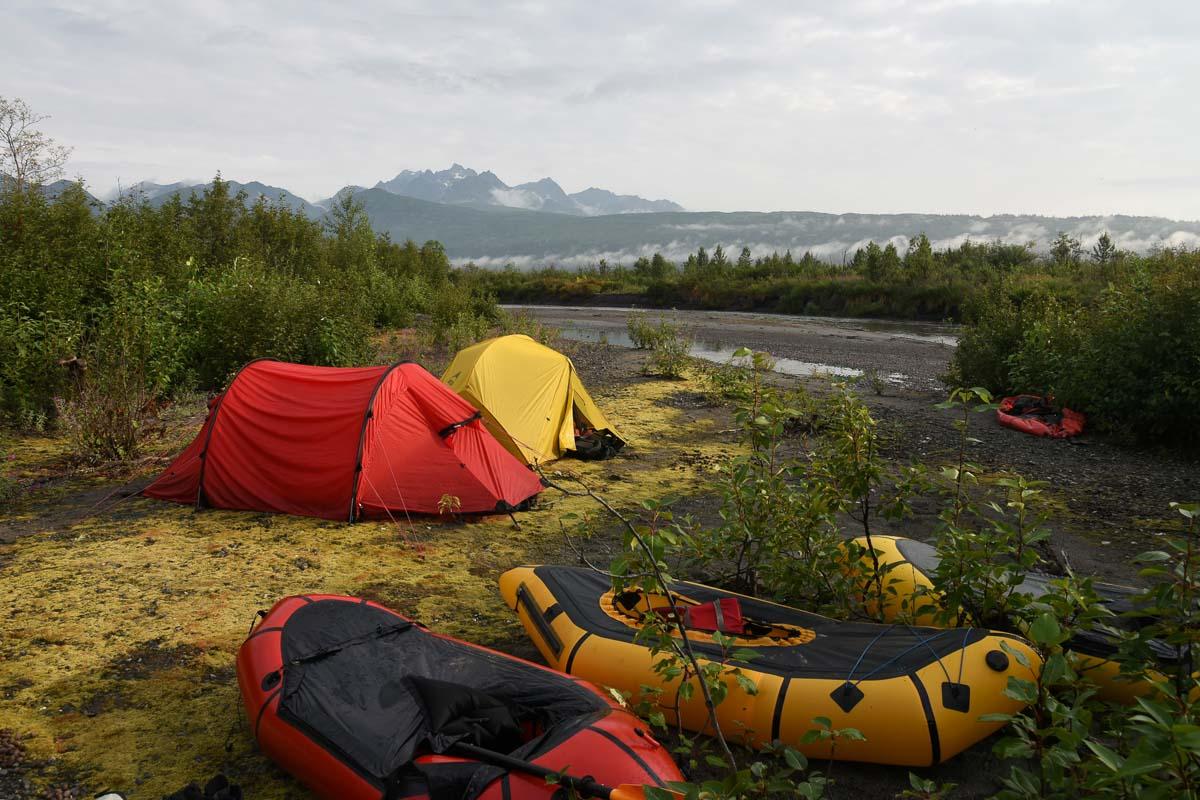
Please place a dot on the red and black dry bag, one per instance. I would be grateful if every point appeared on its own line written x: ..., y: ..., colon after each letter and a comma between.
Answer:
x: 724, y: 615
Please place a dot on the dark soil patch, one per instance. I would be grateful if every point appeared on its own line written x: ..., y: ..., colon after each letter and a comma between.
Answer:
x: 9, y: 691
x: 72, y: 507
x: 1112, y: 499
x: 689, y: 400
x: 400, y: 597
x: 104, y: 701
x: 148, y: 658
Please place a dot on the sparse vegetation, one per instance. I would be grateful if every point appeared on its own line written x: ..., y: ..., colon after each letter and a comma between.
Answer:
x: 1108, y: 332
x: 668, y: 341
x: 1067, y: 744
x: 523, y: 323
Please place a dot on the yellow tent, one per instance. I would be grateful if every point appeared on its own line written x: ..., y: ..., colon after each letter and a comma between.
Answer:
x: 530, y: 396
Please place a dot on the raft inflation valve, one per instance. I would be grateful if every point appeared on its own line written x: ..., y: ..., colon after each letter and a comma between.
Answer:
x: 997, y: 660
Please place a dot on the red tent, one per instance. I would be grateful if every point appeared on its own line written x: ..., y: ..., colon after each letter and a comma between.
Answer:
x: 344, y: 443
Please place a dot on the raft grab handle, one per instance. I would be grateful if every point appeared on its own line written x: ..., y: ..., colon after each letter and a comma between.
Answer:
x: 539, y: 620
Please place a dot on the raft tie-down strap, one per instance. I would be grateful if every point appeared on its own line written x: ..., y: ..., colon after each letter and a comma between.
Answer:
x: 453, y: 426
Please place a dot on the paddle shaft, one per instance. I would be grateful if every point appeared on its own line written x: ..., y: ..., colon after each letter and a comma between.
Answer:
x: 585, y: 786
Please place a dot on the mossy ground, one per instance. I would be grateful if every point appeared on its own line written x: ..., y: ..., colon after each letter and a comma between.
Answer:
x: 122, y: 621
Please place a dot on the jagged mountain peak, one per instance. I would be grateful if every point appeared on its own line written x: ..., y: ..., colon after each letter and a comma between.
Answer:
x: 461, y: 185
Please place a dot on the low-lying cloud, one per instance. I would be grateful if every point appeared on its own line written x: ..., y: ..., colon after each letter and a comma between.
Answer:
x: 1138, y: 235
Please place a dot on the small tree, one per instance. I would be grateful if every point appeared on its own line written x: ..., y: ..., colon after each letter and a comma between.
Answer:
x: 745, y: 260
x: 918, y: 261
x: 1065, y: 249
x: 1104, y: 251
x: 29, y: 156
x: 720, y: 261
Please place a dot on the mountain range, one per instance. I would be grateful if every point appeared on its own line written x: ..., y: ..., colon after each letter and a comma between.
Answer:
x: 458, y: 186
x: 481, y: 219
x: 461, y: 185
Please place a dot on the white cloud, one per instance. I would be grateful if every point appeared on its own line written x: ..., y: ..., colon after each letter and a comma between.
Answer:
x: 973, y: 106
x: 517, y: 198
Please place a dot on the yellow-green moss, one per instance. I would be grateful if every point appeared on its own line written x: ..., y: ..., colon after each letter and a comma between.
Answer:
x: 176, y: 589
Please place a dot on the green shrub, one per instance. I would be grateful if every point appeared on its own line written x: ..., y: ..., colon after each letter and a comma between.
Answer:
x: 520, y: 322
x: 642, y: 334
x: 32, y: 349
x: 133, y: 358
x: 466, y: 330
x: 246, y: 312
x: 462, y: 313
x: 399, y: 300
x: 669, y: 354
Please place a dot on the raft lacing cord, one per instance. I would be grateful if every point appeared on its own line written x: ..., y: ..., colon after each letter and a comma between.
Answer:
x: 962, y: 650
x: 920, y: 641
x: 378, y: 633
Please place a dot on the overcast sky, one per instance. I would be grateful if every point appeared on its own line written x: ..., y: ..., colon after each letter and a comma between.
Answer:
x: 871, y: 106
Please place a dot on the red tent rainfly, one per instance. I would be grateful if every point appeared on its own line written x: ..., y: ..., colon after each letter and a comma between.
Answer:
x: 344, y: 443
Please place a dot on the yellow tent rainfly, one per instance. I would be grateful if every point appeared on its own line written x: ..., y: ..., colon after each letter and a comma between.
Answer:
x: 916, y: 694
x: 911, y: 565
x: 532, y: 400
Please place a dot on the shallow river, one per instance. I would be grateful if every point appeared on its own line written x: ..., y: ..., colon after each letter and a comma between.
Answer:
x: 905, y: 353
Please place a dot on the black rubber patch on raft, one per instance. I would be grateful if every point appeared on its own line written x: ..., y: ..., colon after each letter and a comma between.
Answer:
x: 956, y: 696
x: 847, y: 696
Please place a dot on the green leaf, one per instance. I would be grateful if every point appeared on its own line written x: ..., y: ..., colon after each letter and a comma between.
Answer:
x: 795, y: 759
x: 748, y: 685
x: 1106, y: 755
x: 1021, y: 690
x: 1045, y: 630
x: 1188, y: 510
x: 1012, y: 747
